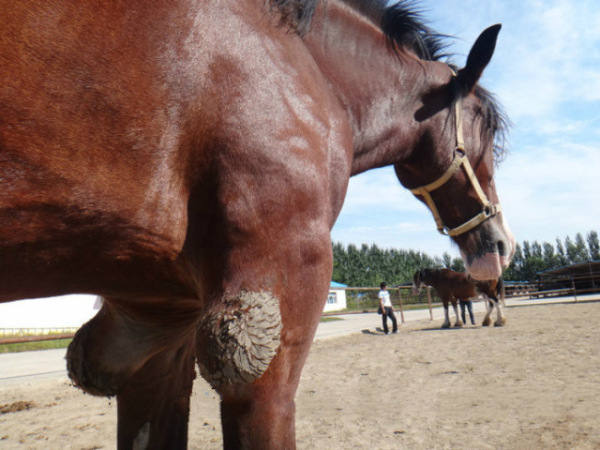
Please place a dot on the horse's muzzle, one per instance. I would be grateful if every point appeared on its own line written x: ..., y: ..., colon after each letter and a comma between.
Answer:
x: 494, y: 249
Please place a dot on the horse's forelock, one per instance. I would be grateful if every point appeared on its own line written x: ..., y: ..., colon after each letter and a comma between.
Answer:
x: 494, y: 121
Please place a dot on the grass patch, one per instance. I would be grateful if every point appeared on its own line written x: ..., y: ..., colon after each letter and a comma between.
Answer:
x: 330, y: 319
x: 32, y: 346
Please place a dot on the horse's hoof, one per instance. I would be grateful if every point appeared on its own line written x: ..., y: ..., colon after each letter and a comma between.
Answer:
x: 446, y: 325
x: 486, y: 323
x: 500, y: 323
x: 458, y: 325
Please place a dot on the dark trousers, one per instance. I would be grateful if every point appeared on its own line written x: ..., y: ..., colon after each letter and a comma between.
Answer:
x: 389, y: 312
x: 469, y: 304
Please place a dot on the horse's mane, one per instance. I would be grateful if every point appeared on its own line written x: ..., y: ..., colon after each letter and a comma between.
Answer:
x: 495, y: 121
x: 405, y: 29
x: 296, y: 14
x: 400, y: 22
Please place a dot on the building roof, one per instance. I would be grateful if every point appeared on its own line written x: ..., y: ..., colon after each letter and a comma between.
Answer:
x: 337, y: 285
x: 585, y: 268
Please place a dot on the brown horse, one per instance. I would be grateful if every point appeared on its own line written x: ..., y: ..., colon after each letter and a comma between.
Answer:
x: 187, y: 160
x: 454, y: 286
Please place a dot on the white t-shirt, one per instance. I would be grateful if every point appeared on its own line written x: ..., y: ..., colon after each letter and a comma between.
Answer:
x: 385, y: 296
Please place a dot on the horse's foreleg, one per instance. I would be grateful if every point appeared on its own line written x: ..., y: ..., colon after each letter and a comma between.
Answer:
x: 486, y: 320
x: 458, y: 322
x: 501, y: 320
x: 252, y: 344
x: 446, y: 323
x: 261, y: 418
x: 270, y: 261
x: 251, y: 349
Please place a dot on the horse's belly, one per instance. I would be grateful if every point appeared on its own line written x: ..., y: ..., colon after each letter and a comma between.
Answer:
x: 46, y: 250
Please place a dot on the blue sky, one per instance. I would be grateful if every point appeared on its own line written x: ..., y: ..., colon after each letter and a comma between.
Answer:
x: 546, y: 73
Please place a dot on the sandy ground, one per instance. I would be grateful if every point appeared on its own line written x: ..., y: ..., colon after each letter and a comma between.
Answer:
x: 534, y: 384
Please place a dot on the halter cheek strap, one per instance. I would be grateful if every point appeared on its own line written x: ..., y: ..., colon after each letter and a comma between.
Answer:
x: 460, y: 160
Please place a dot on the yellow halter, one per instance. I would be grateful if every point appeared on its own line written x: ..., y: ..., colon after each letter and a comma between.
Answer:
x: 460, y: 160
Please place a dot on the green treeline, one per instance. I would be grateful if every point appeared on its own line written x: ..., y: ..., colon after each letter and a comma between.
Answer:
x: 370, y: 265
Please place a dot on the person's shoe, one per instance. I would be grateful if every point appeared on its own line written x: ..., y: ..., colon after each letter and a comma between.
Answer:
x: 395, y: 332
x: 387, y: 332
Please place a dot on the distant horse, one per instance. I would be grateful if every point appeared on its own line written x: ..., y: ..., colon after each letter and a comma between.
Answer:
x: 454, y: 286
x: 187, y: 160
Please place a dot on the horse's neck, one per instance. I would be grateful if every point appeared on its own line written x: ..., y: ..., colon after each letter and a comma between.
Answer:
x: 378, y: 91
x: 431, y: 278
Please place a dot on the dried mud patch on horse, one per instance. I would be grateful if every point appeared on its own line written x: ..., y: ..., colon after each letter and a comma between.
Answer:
x: 16, y: 407
x: 237, y: 342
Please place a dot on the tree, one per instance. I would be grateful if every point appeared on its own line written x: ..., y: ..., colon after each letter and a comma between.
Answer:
x: 515, y: 270
x: 533, y: 262
x: 593, y: 245
x: 447, y: 260
x: 561, y: 255
x: 550, y: 258
x: 458, y: 265
x: 576, y: 251
x: 340, y: 263
x: 536, y: 250
x: 582, y: 253
x: 526, y: 250
x: 370, y: 265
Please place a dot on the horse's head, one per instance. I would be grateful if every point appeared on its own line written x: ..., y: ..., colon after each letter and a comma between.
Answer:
x: 451, y: 167
x: 418, y: 281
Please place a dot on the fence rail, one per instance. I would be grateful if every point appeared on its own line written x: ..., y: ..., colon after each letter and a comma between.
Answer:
x: 365, y: 298
x: 23, y: 335
x: 556, y: 286
x: 25, y: 339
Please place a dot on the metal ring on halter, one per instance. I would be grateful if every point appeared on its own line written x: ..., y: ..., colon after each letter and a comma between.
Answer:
x: 460, y: 160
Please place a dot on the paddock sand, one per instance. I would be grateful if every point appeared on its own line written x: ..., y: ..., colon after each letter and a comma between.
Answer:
x: 534, y: 384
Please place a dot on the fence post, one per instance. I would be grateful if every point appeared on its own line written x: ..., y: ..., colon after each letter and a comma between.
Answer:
x: 574, y: 289
x: 401, y: 309
x: 429, y: 303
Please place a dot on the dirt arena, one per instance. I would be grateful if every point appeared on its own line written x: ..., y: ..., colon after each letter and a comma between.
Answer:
x: 534, y: 384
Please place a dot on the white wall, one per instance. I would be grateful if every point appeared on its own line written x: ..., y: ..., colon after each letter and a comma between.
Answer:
x: 340, y: 300
x: 72, y: 311
x: 69, y: 311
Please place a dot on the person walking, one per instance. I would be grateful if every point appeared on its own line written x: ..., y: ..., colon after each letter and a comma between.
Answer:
x: 387, y: 310
x: 469, y: 305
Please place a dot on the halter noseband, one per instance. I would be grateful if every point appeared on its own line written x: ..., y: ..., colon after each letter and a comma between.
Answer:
x: 460, y: 160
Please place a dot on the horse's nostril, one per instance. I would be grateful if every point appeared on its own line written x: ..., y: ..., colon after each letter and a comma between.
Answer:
x: 501, y: 248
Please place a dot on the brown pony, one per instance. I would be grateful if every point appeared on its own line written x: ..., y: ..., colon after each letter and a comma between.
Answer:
x: 187, y: 160
x: 454, y: 286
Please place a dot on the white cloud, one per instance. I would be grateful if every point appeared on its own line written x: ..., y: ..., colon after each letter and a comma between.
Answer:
x: 418, y: 234
x: 549, y: 192
x: 549, y: 56
x: 378, y: 190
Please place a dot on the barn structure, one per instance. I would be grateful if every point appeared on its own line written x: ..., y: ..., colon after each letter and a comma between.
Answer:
x: 582, y: 277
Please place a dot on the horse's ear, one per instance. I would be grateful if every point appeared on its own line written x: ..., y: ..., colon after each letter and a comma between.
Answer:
x: 479, y: 57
